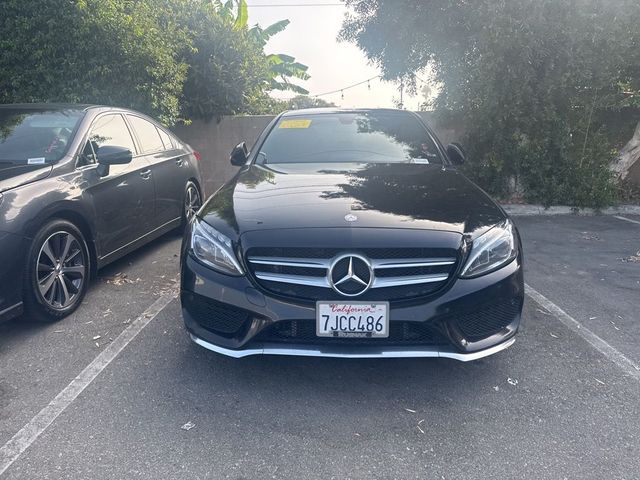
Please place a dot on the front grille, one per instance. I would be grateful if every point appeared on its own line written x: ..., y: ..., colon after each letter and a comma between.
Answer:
x: 220, y: 318
x: 304, y: 332
x: 488, y: 321
x: 399, y: 273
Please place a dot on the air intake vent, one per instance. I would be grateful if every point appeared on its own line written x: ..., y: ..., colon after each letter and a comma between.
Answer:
x: 220, y: 318
x: 304, y: 332
x: 488, y: 321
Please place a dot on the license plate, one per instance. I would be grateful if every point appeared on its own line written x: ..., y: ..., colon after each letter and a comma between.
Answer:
x: 352, y: 319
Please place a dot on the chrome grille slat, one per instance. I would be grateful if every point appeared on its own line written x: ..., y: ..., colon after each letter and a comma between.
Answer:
x: 412, y: 262
x: 291, y: 262
x: 294, y: 279
x: 408, y: 280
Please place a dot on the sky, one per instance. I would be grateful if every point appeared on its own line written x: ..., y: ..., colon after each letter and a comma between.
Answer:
x: 311, y: 38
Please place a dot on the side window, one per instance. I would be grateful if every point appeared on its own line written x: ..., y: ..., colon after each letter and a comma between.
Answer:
x: 108, y: 130
x: 147, y: 134
x: 166, y: 139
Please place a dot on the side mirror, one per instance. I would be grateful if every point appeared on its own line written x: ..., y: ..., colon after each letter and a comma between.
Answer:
x: 456, y: 153
x: 112, y: 155
x: 239, y: 155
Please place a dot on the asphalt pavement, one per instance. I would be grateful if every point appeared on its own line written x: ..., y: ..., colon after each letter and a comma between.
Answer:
x: 551, y: 406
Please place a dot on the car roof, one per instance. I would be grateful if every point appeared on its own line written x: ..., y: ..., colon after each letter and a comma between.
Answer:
x: 79, y: 107
x: 333, y: 110
x: 49, y: 106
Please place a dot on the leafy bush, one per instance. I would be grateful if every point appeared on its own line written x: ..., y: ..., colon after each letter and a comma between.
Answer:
x: 89, y: 51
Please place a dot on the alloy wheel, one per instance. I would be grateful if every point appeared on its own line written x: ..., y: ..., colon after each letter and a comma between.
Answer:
x: 193, y: 202
x: 61, y: 269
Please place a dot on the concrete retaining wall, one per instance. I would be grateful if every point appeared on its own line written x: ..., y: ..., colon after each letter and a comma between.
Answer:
x: 215, y: 140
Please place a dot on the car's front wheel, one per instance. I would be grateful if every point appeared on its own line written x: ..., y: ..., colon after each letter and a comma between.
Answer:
x: 57, y: 272
x: 192, y: 202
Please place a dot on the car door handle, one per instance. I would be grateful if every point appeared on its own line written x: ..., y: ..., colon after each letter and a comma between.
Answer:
x: 146, y: 174
x: 180, y: 162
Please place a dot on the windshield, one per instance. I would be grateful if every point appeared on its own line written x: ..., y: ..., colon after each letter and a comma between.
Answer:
x: 35, y: 137
x: 350, y: 137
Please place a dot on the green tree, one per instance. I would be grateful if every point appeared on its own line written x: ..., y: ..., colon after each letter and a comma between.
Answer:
x: 94, y: 51
x: 304, y: 101
x: 229, y: 72
x: 531, y: 79
x: 227, y: 69
x: 173, y: 59
x: 282, y: 68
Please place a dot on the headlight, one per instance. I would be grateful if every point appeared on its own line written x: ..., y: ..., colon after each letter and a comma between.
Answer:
x: 214, y: 249
x: 492, y: 250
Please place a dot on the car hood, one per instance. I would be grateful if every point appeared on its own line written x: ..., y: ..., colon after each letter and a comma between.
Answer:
x: 12, y: 176
x: 411, y: 196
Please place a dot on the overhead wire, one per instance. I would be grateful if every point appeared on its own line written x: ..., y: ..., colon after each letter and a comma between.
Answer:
x: 341, y: 90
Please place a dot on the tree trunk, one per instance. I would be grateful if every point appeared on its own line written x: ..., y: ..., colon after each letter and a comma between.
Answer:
x: 628, y: 155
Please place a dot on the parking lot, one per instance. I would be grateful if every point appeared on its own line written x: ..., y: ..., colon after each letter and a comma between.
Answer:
x: 562, y: 402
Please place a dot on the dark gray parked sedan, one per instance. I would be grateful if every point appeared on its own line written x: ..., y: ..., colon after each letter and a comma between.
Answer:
x: 81, y: 186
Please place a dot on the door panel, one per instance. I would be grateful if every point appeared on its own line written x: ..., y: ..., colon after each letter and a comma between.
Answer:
x: 124, y: 200
x: 169, y: 167
x: 124, y: 204
x: 169, y: 171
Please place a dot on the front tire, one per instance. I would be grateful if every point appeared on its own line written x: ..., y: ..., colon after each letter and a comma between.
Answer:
x: 57, y: 272
x: 192, y: 202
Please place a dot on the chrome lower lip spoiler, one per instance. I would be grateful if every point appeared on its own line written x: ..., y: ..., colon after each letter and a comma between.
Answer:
x: 362, y: 352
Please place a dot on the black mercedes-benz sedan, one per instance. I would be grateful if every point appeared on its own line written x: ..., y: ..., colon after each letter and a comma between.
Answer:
x: 351, y: 233
x: 81, y: 186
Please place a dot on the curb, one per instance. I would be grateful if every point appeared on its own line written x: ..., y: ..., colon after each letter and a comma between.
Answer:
x: 529, y: 210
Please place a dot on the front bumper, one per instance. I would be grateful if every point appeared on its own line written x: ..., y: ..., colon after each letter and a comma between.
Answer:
x: 350, y: 352
x: 466, y: 298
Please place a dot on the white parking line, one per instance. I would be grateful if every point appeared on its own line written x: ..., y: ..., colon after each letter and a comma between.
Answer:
x: 626, y: 219
x: 626, y: 364
x: 10, y: 452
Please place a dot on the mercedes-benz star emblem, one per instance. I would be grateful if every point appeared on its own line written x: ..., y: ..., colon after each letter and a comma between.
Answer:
x: 350, y: 217
x: 351, y: 275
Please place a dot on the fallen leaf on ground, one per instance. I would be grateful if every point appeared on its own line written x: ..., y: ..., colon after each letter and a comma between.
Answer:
x: 118, y: 279
x: 96, y: 337
x: 188, y: 426
x: 632, y: 259
x: 512, y: 381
